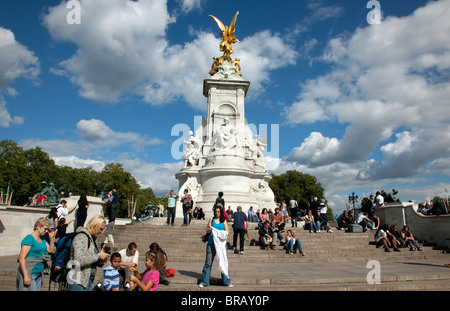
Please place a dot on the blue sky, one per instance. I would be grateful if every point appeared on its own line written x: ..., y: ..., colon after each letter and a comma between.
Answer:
x: 362, y: 107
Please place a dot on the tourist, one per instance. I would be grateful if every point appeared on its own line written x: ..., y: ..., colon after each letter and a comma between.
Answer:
x: 33, y: 249
x: 114, y: 202
x: 162, y: 270
x: 379, y: 201
x: 198, y: 213
x: 240, y: 227
x: 322, y: 222
x: 314, y: 206
x: 365, y: 222
x: 111, y: 276
x: 250, y: 214
x: 343, y: 220
x: 110, y: 227
x: 293, y: 243
x: 396, y: 234
x: 186, y: 206
x: 149, y: 279
x: 278, y: 221
x: 85, y: 253
x: 61, y: 209
x: 284, y: 211
x: 171, y: 206
x: 217, y: 231
x: 310, y: 223
x: 130, y: 256
x: 382, y: 239
x: 81, y: 215
x: 62, y: 228
x: 267, y: 238
x: 409, y: 239
x: 263, y: 217
x: 229, y: 213
x: 107, y: 199
x: 220, y: 200
x: 129, y: 259
x: 52, y: 217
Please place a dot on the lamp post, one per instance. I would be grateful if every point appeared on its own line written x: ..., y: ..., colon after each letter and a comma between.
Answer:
x: 352, y: 199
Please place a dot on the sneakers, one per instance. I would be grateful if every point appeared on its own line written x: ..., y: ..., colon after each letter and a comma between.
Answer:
x: 229, y: 285
x: 201, y: 285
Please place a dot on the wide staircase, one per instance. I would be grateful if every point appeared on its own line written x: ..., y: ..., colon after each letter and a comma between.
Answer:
x: 336, y: 261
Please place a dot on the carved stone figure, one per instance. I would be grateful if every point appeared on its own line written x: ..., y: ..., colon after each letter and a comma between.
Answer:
x: 192, y: 150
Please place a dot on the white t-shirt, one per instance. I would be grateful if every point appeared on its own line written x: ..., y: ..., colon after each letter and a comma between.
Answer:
x: 125, y: 258
x: 379, y: 200
x: 380, y: 235
x: 62, y: 211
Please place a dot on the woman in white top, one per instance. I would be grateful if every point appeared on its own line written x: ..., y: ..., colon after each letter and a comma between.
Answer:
x: 382, y: 238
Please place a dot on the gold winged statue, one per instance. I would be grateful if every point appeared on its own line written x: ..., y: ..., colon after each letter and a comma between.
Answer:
x: 228, y: 38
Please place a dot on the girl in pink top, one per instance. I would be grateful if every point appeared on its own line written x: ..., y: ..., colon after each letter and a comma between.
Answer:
x: 149, y: 280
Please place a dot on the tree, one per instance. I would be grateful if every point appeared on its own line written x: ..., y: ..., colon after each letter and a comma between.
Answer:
x: 114, y: 176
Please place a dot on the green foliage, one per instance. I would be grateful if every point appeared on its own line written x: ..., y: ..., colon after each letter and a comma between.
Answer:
x: 302, y: 187
x: 24, y: 170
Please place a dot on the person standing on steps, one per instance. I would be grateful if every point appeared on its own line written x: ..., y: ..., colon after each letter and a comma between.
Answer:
x: 217, y: 231
x: 171, y: 206
x: 240, y: 227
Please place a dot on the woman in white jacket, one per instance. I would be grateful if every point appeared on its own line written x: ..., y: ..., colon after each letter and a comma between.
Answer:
x: 218, y: 232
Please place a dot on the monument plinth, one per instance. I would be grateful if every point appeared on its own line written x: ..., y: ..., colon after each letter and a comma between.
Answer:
x: 224, y: 154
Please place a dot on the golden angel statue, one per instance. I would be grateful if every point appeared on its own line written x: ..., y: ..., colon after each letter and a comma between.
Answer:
x: 228, y: 38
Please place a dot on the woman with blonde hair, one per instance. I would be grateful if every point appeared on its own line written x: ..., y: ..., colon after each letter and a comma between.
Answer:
x: 293, y: 243
x: 32, y: 256
x: 85, y: 255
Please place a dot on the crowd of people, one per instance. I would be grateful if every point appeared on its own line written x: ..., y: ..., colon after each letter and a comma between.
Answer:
x: 121, y: 273
x: 89, y: 253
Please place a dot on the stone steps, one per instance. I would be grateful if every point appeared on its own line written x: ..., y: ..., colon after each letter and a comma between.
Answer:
x: 333, y: 262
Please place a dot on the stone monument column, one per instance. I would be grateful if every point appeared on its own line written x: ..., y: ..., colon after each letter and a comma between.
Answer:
x: 224, y: 155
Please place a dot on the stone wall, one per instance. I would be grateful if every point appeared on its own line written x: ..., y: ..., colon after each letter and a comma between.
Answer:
x: 18, y: 221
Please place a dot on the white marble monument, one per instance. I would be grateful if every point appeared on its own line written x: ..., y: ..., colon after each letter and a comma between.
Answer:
x: 223, y: 154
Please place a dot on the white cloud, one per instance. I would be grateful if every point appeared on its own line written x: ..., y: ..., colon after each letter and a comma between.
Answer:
x: 76, y: 162
x: 5, y: 117
x: 96, y: 138
x: 16, y: 61
x: 388, y: 79
x: 123, y: 49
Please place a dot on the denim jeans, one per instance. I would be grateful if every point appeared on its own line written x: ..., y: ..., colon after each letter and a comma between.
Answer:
x: 185, y: 218
x: 36, y: 281
x: 312, y: 226
x: 294, y: 245
x: 75, y: 287
x: 206, y: 273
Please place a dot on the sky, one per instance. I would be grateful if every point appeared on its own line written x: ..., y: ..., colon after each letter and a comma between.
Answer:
x: 353, y: 92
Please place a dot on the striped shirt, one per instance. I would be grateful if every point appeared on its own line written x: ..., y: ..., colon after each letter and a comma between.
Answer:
x: 111, y: 278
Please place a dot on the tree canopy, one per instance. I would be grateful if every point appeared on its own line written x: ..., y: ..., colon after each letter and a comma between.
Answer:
x: 302, y: 187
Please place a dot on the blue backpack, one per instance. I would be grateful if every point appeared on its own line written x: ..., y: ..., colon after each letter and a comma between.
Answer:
x: 59, y: 270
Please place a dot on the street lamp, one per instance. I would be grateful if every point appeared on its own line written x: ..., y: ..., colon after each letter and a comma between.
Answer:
x: 352, y: 199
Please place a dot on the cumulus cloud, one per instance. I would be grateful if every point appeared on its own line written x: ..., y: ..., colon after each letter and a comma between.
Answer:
x: 389, y: 86
x: 5, y: 117
x: 16, y: 62
x: 122, y: 48
x: 96, y: 138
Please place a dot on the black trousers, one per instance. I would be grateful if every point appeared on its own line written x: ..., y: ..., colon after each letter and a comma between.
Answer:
x: 241, y: 233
